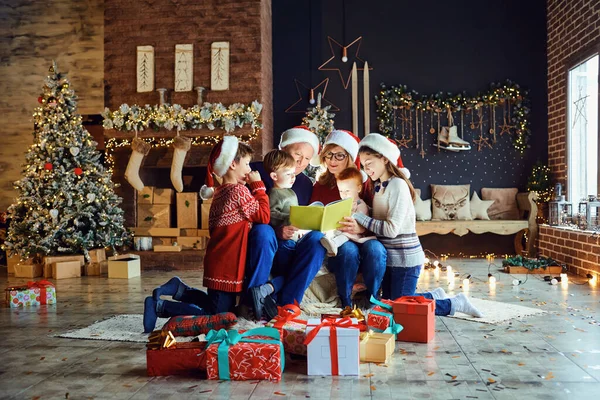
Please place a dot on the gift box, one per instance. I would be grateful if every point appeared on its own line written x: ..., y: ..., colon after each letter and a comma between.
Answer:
x: 291, y: 329
x: 376, y: 347
x: 12, y: 261
x: 145, y: 196
x: 254, y: 354
x: 96, y: 269
x: 154, y: 215
x: 417, y: 315
x: 33, y: 294
x: 66, y: 270
x: 381, y: 317
x: 332, y: 346
x: 28, y: 270
x: 205, y: 213
x: 125, y: 266
x: 181, y: 359
x: 97, y: 255
x: 163, y: 196
x: 187, y: 210
x: 48, y: 261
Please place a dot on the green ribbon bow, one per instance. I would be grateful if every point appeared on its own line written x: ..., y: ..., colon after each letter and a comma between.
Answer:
x: 227, y: 339
x: 394, y: 327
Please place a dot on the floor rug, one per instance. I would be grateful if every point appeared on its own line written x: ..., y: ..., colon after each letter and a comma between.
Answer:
x: 495, y: 312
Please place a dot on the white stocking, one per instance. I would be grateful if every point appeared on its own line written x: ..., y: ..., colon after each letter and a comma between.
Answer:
x: 182, y: 146
x: 132, y: 173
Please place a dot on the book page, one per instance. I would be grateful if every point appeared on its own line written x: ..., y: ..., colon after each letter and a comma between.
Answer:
x: 334, y: 213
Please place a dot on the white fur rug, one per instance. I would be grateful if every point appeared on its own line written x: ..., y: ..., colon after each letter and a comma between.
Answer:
x: 495, y: 312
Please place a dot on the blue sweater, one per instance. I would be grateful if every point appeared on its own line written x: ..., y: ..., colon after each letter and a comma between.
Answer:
x: 303, y: 186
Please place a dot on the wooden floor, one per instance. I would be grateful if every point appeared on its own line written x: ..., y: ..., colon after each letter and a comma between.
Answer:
x: 552, y: 356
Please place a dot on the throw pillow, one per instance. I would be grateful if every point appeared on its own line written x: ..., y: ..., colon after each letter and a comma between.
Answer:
x: 451, y: 202
x: 194, y: 325
x: 505, y: 203
x: 422, y: 207
x: 479, y: 207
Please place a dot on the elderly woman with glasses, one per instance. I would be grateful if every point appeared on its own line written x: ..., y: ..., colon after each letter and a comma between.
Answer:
x: 340, y: 151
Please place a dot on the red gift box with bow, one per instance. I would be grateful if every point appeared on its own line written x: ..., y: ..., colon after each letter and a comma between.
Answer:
x: 292, y: 329
x: 417, y: 315
x: 188, y: 358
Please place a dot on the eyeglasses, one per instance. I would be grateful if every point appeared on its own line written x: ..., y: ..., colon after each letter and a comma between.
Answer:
x: 337, y: 156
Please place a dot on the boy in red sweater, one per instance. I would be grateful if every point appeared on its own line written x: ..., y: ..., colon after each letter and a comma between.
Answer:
x: 233, y: 210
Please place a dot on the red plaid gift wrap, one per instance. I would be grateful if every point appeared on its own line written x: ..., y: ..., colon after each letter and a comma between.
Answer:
x: 34, y: 294
x: 194, y: 325
x: 417, y: 315
x: 292, y: 330
x: 182, y: 359
x: 254, y: 354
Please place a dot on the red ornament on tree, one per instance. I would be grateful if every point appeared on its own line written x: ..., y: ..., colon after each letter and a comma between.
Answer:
x: 40, y: 99
x: 78, y: 171
x: 48, y: 166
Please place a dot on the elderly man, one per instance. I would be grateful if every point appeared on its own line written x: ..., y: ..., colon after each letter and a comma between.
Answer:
x: 293, y: 265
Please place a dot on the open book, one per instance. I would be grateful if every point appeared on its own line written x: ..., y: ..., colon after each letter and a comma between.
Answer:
x: 316, y: 217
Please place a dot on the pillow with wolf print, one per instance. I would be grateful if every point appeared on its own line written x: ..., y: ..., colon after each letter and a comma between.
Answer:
x: 450, y: 202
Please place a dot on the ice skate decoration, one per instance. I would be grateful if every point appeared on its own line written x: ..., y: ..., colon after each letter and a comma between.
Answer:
x: 448, y: 139
x: 139, y: 149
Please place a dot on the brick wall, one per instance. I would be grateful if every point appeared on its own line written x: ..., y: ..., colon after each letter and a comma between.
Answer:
x: 579, y: 250
x: 32, y: 34
x: 245, y: 24
x: 573, y: 31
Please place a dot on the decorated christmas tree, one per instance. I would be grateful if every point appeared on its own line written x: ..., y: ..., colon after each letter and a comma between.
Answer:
x: 66, y: 201
x: 319, y: 120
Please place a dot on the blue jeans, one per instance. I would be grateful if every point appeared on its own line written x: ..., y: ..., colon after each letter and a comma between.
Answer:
x: 262, y: 245
x: 368, y: 258
x: 400, y: 281
x: 221, y: 301
x: 298, y: 263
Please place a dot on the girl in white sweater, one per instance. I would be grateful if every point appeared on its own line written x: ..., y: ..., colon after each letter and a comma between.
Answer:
x: 393, y: 222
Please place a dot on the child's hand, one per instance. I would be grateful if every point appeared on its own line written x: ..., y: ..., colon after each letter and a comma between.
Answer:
x: 253, y: 176
x: 349, y: 225
x: 286, y: 232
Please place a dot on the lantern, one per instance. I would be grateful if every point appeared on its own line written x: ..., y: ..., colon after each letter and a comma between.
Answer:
x: 560, y: 212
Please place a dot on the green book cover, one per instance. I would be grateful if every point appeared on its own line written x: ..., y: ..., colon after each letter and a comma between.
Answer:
x: 316, y: 217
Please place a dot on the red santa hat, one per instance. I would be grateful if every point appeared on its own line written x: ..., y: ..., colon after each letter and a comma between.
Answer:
x: 347, y: 141
x: 219, y: 161
x: 387, y: 148
x: 300, y: 134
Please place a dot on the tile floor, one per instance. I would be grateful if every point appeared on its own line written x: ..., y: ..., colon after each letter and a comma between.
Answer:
x: 552, y: 356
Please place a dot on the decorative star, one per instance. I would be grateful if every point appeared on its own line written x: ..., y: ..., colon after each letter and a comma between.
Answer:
x: 336, y: 60
x: 580, y: 107
x: 300, y: 106
x: 313, y: 124
x: 404, y: 142
x: 505, y: 128
x: 482, y: 142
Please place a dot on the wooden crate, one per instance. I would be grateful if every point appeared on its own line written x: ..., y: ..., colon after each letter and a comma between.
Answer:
x: 187, y: 210
x: 167, y: 249
x: 204, y: 213
x: 190, y: 232
x: 154, y: 215
x: 192, y: 243
x: 162, y: 241
x: 146, y: 195
x: 163, y: 196
x: 155, y: 232
x: 512, y: 269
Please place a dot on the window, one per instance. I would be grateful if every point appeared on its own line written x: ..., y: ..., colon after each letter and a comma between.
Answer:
x: 582, y: 130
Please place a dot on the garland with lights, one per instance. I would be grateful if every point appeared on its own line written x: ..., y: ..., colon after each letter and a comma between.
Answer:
x: 539, y: 181
x: 165, y: 116
x: 530, y: 263
x: 394, y: 97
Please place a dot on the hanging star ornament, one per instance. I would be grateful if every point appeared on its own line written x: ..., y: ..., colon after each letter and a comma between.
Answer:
x: 304, y: 94
x: 505, y: 128
x: 335, y: 63
x: 482, y: 142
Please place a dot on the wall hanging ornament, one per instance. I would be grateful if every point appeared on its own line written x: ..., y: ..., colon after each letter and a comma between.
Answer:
x: 389, y: 99
x: 319, y: 120
x: 181, y: 146
x: 145, y: 69
x: 219, y: 66
x: 139, y: 149
x: 308, y: 95
x: 483, y: 140
x: 367, y: 100
x: 184, y: 67
x: 505, y: 127
x: 448, y: 137
x: 349, y: 56
x: 354, y: 99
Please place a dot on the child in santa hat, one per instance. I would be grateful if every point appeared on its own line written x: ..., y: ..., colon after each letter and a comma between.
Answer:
x: 233, y: 210
x: 394, y: 223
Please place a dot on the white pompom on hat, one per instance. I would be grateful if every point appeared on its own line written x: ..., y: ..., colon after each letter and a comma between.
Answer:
x: 300, y: 134
x: 220, y: 159
x: 387, y: 148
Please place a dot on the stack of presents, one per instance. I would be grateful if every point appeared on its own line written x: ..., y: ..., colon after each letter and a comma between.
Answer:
x: 154, y: 230
x: 333, y: 344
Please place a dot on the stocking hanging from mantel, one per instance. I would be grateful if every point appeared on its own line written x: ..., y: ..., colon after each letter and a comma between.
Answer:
x: 181, y: 146
x: 139, y: 149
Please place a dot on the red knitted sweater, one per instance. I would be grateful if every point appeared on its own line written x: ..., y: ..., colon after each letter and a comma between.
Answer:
x: 232, y: 212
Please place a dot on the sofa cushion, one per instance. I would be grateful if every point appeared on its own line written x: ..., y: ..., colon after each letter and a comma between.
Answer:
x: 450, y: 202
x: 505, y: 203
x: 422, y: 207
x: 479, y: 208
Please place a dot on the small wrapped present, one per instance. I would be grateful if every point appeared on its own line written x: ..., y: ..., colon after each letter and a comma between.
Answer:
x: 293, y: 330
x: 417, y: 314
x: 33, y: 294
x: 376, y: 347
x: 381, y: 317
x: 187, y: 210
x: 341, y: 337
x: 254, y: 354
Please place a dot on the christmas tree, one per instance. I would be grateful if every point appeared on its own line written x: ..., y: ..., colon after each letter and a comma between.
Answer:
x: 66, y: 201
x: 319, y: 120
x: 539, y: 181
